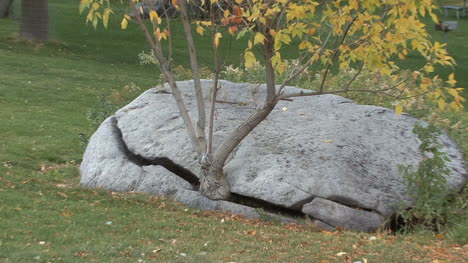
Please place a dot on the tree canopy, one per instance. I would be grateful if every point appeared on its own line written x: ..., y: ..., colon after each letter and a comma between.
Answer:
x: 330, y: 35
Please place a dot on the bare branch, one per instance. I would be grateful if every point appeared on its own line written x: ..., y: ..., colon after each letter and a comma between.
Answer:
x: 269, y: 70
x: 355, y: 76
x: 228, y: 54
x: 379, y: 91
x: 168, y: 21
x: 214, y: 91
x: 170, y: 79
x: 196, y: 77
x: 337, y: 49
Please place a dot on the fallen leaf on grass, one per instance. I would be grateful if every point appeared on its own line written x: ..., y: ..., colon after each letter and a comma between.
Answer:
x: 252, y: 232
x: 82, y: 254
x: 67, y: 213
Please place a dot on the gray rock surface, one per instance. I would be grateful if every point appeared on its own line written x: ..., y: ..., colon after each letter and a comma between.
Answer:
x: 324, y: 151
x: 336, y: 214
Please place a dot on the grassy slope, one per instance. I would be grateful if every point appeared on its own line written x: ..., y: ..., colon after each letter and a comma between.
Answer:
x: 45, y: 92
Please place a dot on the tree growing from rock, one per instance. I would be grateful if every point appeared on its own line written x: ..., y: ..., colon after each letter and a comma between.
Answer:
x: 330, y: 35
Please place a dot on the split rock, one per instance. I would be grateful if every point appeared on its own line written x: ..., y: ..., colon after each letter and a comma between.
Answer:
x: 323, y: 156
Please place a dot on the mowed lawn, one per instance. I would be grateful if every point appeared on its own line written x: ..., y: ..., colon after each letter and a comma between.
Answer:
x: 46, y: 91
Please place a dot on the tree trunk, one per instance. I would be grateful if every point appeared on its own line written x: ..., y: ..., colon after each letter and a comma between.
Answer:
x: 34, y: 20
x: 213, y: 183
x: 6, y: 8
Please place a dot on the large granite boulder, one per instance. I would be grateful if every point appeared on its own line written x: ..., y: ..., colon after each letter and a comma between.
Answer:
x: 324, y: 156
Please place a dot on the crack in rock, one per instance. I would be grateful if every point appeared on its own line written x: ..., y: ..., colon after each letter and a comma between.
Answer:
x: 350, y: 203
x: 336, y: 214
x: 265, y: 205
x: 176, y: 169
x: 300, y: 209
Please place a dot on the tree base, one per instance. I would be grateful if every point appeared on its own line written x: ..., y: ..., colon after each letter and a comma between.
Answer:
x: 214, y: 184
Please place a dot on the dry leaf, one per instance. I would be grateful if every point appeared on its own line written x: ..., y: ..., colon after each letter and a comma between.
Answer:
x: 252, y: 232
x: 67, y: 213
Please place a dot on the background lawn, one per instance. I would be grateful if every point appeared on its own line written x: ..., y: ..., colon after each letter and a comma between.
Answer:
x: 46, y: 91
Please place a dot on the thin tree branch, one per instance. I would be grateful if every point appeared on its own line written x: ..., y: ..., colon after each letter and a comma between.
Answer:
x: 228, y: 54
x: 168, y: 21
x: 214, y: 91
x: 170, y: 79
x: 286, y: 82
x: 355, y: 76
x: 196, y: 77
x: 327, y: 69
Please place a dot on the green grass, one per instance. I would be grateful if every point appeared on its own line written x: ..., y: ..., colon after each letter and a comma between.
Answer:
x: 45, y: 93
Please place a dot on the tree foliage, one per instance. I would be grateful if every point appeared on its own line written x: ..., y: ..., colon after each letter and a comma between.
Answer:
x: 330, y: 35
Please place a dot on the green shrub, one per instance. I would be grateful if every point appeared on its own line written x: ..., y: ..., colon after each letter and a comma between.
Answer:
x: 434, y: 205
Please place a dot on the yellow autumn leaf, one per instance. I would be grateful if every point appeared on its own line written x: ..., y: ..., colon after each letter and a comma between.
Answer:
x: 154, y: 15
x: 398, y: 109
x: 272, y: 32
x: 249, y: 59
x: 441, y: 103
x: 105, y: 19
x: 429, y: 68
x: 435, y: 18
x: 124, y: 23
x: 259, y: 38
x: 453, y: 92
x: 451, y: 79
x: 303, y: 45
x: 217, y: 36
x: 311, y: 31
x: 200, y: 30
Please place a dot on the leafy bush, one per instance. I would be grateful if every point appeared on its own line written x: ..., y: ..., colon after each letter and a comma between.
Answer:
x: 434, y: 205
x: 108, y: 104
